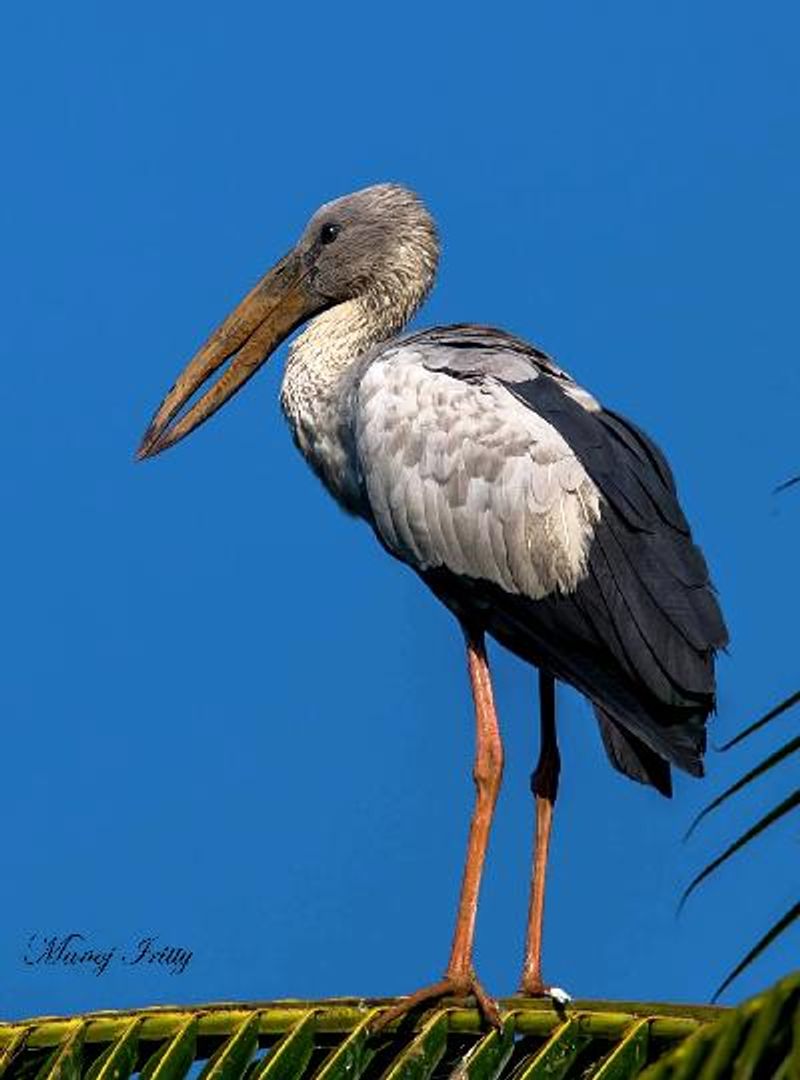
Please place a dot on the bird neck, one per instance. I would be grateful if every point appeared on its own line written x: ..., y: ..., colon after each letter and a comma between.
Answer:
x: 334, y: 340
x: 339, y: 336
x: 313, y: 392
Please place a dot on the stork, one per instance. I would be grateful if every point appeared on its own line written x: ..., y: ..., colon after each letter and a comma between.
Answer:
x: 532, y: 512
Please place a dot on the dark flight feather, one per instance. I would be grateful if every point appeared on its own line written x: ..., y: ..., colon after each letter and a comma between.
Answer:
x: 639, y: 633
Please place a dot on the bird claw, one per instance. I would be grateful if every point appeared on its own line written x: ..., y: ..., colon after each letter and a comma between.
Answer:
x: 557, y: 994
x: 451, y: 987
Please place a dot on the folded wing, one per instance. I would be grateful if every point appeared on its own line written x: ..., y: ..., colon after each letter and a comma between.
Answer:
x: 553, y: 523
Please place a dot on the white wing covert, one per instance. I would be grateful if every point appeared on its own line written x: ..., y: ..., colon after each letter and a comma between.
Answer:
x: 460, y: 474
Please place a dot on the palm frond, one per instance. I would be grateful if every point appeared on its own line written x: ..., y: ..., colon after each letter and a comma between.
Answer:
x: 763, y: 766
x: 787, y: 484
x: 759, y: 1039
x: 775, y: 931
x: 781, y: 810
x: 332, y: 1040
x: 790, y: 803
x: 791, y: 700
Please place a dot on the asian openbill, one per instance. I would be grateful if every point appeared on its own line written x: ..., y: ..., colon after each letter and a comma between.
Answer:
x: 532, y: 512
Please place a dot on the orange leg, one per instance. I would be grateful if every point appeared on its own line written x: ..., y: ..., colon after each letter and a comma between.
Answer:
x: 459, y: 979
x: 544, y: 785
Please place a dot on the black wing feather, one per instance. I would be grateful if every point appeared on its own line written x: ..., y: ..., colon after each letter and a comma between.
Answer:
x: 639, y: 634
x: 633, y: 757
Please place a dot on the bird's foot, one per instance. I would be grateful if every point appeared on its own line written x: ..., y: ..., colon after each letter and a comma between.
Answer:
x: 451, y: 986
x: 536, y: 988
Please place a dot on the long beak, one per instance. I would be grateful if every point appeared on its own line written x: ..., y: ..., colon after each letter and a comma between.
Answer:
x: 278, y: 304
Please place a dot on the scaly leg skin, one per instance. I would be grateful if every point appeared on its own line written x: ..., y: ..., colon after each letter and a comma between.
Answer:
x: 460, y: 979
x: 544, y: 785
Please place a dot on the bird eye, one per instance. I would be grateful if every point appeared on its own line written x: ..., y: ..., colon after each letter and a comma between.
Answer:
x: 329, y: 232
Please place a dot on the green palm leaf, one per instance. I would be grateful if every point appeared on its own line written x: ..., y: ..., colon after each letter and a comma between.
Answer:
x: 787, y: 484
x: 774, y: 932
x: 781, y: 810
x: 777, y: 710
x: 789, y: 748
x: 758, y: 1040
x: 790, y: 803
x: 333, y: 1040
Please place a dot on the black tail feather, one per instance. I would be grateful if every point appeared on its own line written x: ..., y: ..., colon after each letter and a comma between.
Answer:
x: 632, y: 757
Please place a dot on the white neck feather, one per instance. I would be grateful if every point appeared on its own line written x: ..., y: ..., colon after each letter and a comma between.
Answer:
x: 311, y: 396
x: 332, y: 341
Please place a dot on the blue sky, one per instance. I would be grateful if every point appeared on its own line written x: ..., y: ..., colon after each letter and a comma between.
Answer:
x: 230, y: 721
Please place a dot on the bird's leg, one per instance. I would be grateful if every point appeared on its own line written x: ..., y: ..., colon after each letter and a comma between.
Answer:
x: 459, y: 978
x: 544, y: 785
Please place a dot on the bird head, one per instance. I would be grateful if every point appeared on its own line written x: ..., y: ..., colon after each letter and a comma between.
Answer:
x: 377, y: 245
